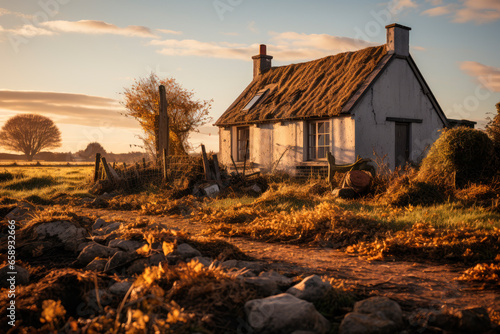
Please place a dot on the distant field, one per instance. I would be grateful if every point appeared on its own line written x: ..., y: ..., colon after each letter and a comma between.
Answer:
x: 22, y: 182
x: 9, y: 163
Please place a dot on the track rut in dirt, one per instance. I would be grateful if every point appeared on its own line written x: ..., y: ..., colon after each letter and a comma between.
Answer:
x: 413, y: 285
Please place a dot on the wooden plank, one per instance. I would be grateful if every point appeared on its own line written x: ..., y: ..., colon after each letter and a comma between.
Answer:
x: 107, y: 170
x: 245, y: 159
x: 206, y: 166
x: 331, y: 164
x: 216, y: 168
x: 97, y: 165
x: 165, y: 164
x: 163, y: 123
x: 234, y: 165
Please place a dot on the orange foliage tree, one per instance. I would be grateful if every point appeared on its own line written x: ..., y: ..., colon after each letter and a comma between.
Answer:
x: 142, y: 100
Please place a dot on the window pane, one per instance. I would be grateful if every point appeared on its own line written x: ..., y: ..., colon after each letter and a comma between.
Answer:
x: 321, y: 152
x: 252, y: 102
x: 312, y: 128
x: 321, y: 140
x: 321, y: 127
x: 327, y: 127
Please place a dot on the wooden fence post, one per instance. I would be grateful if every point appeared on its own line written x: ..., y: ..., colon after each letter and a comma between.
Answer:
x: 206, y: 166
x: 96, y: 167
x: 144, y: 163
x: 217, y: 170
x: 163, y: 124
x: 106, y: 169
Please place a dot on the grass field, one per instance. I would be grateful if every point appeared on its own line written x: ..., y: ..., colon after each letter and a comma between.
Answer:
x: 21, y: 182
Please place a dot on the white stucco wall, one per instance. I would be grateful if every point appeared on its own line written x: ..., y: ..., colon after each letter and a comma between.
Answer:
x: 396, y: 93
x: 343, y: 140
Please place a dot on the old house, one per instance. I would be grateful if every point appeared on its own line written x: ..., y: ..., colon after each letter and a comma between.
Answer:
x: 353, y: 103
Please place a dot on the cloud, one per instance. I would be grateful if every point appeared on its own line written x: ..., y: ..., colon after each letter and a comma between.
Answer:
x: 97, y: 27
x: 287, y: 46
x: 230, y: 33
x: 27, y: 30
x: 171, y: 32
x: 400, y: 5
x: 4, y: 11
x: 477, y: 11
x: 488, y: 76
x: 68, y: 108
x: 438, y: 11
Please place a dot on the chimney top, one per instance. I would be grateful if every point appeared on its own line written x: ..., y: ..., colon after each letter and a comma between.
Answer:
x: 261, y: 62
x: 397, y: 25
x: 398, y: 39
x: 262, y: 50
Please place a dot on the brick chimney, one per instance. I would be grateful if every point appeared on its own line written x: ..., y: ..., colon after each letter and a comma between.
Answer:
x: 398, y: 39
x: 261, y: 62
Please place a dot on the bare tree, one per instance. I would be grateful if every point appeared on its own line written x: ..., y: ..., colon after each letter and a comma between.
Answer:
x: 29, y: 134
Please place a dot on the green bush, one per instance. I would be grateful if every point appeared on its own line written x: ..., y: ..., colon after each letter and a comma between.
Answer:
x: 463, y: 154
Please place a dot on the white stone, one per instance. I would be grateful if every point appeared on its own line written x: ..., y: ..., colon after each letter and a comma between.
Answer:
x: 311, y: 288
x: 284, y: 313
x: 69, y: 234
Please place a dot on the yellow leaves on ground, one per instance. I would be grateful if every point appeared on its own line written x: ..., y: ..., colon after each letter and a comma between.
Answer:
x: 52, y: 311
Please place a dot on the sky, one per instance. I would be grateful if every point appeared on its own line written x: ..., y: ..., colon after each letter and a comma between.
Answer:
x: 70, y: 60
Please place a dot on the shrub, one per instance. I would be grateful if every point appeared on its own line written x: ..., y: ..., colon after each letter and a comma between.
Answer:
x: 463, y: 153
x: 406, y: 192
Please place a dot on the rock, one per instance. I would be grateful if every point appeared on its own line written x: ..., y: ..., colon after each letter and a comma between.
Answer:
x: 474, y: 320
x: 383, y: 307
x: 21, y: 212
x: 229, y: 264
x: 256, y: 267
x: 266, y: 285
x: 119, y: 259
x: 82, y: 245
x: 360, y: 323
x: 156, y: 259
x: 126, y: 245
x: 99, y: 223
x: 108, y: 229
x: 185, y: 251
x: 90, y: 252
x: 203, y: 260
x: 97, y: 265
x: 120, y: 288
x: 284, y: 313
x: 137, y: 266
x: 311, y: 288
x: 281, y: 280
x: 346, y: 193
x: 211, y: 190
x: 373, y: 315
x: 21, y: 276
x: 69, y: 234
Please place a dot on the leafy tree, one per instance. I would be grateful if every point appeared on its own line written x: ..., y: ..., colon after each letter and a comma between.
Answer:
x: 185, y: 113
x: 91, y: 150
x: 493, y: 130
x: 29, y: 133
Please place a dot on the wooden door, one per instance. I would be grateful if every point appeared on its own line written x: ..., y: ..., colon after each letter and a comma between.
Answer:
x: 402, y: 139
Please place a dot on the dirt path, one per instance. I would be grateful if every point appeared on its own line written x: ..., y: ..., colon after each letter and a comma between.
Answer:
x: 411, y: 284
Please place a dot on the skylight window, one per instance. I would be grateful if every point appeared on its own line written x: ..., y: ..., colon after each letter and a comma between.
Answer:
x: 253, y: 101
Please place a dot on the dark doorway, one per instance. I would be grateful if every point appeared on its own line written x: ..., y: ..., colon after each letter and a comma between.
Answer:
x: 402, y: 143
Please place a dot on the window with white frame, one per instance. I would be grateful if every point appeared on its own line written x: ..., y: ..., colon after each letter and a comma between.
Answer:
x: 318, y: 140
x: 242, y: 139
